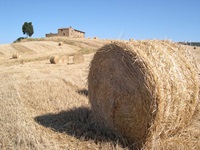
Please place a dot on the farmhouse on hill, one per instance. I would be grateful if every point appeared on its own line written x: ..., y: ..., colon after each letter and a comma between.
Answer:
x: 68, y: 32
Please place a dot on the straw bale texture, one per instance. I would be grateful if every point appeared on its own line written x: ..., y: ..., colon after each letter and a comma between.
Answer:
x: 56, y: 59
x: 15, y: 56
x: 65, y: 59
x: 145, y: 90
x: 78, y: 58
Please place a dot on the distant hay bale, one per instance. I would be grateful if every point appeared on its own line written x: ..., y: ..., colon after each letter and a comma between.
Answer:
x: 78, y: 58
x: 56, y: 59
x: 65, y: 59
x: 59, y: 59
x: 15, y: 56
x: 60, y: 43
x: 95, y: 37
x: 145, y: 90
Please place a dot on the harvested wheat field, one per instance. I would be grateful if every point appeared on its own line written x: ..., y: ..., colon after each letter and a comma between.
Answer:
x: 46, y: 106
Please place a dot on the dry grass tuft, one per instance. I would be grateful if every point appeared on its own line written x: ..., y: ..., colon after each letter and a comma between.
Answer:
x: 145, y: 90
x: 78, y: 58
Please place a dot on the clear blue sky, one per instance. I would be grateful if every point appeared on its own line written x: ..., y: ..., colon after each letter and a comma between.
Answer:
x: 178, y: 20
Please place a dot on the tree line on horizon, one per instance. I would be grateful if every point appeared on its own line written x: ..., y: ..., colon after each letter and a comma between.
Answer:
x: 191, y: 43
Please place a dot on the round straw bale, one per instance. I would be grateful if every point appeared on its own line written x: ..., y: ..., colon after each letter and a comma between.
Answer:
x: 56, y: 59
x: 15, y: 56
x: 78, y: 58
x: 60, y: 43
x: 145, y: 90
x: 65, y: 59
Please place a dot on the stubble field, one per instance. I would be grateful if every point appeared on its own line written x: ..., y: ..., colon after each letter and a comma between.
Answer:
x: 45, y: 106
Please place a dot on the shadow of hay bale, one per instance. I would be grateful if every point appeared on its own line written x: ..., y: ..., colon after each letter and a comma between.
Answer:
x: 79, y: 123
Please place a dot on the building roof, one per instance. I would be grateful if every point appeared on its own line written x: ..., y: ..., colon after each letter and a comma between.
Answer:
x: 72, y: 28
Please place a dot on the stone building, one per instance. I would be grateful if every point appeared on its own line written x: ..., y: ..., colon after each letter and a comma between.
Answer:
x: 68, y: 32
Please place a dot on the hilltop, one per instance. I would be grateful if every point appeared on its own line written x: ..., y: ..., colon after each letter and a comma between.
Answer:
x: 42, y: 48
